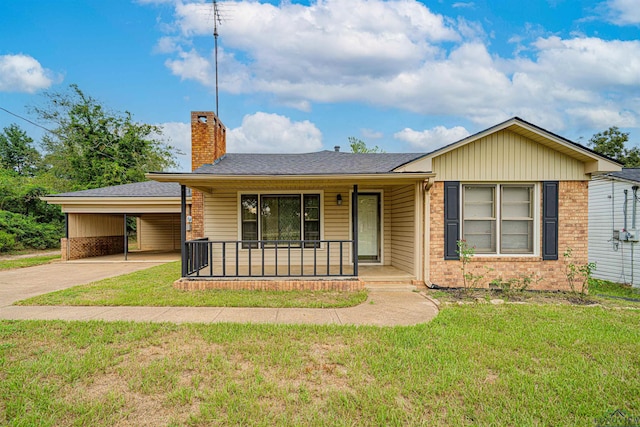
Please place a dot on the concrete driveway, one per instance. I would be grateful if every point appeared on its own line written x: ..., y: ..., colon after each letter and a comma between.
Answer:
x: 22, y: 283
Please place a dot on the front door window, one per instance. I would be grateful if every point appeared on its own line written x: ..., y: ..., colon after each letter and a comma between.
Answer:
x: 368, y: 227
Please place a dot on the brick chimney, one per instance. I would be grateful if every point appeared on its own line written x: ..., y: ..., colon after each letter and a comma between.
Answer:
x: 208, y: 143
x: 208, y: 138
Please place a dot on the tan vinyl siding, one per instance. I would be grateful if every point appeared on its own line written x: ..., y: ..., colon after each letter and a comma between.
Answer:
x: 221, y: 223
x: 506, y: 156
x: 92, y: 225
x: 159, y: 232
x: 403, y: 234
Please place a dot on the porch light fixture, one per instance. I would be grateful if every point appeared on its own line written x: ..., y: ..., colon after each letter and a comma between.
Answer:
x: 339, y: 199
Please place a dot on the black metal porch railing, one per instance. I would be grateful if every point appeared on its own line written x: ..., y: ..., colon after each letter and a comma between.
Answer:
x: 268, y: 258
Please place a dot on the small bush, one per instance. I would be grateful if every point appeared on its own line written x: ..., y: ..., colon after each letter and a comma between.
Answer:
x: 7, y: 241
x: 28, y: 233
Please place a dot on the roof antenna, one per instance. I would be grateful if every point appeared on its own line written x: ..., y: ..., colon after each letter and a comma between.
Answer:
x: 216, y: 20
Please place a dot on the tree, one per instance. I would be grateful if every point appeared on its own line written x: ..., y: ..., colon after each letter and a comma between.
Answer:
x: 359, y: 146
x: 611, y: 143
x: 92, y: 148
x: 17, y: 152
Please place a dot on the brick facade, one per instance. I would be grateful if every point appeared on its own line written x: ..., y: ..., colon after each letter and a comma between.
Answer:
x: 347, y: 285
x: 85, y: 247
x: 208, y: 143
x: 572, y: 233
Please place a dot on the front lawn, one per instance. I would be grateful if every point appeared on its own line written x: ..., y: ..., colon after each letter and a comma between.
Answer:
x: 507, y: 365
x: 153, y: 288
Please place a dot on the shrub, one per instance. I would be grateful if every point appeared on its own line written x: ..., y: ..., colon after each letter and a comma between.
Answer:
x: 28, y: 233
x: 7, y: 241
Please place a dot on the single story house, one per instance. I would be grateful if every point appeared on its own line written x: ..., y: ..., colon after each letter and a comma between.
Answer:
x: 515, y: 192
x: 614, y: 226
x: 95, y: 219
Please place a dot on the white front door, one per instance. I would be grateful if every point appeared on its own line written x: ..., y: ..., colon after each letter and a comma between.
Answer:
x: 369, y: 227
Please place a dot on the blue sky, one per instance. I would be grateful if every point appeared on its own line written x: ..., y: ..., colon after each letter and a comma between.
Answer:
x: 300, y: 76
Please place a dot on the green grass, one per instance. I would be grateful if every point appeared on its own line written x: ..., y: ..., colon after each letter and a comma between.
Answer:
x: 519, y: 365
x: 27, y: 262
x: 153, y: 288
x: 606, y: 288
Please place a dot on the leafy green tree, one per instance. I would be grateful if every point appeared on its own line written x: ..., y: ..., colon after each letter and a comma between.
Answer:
x: 17, y: 152
x: 611, y: 143
x: 91, y: 147
x: 359, y: 146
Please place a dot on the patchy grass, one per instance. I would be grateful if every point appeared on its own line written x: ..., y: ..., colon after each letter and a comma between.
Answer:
x: 473, y: 365
x: 153, y: 288
x: 9, y: 264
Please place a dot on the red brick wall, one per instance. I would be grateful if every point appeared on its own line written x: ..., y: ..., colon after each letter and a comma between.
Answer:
x: 85, y: 247
x: 208, y: 143
x: 572, y: 232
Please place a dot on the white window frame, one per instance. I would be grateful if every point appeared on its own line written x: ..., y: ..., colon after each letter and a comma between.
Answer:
x: 301, y: 193
x: 497, y: 186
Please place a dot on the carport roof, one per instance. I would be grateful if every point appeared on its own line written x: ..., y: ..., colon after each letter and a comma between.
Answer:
x: 138, y: 189
x: 628, y: 174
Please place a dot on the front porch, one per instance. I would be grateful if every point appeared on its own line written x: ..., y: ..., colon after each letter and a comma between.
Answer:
x: 318, y: 234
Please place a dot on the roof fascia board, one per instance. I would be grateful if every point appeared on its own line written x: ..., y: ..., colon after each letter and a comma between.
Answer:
x: 202, y: 178
x: 130, y: 200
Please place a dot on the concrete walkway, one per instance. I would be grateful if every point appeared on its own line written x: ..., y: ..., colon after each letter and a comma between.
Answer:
x: 383, y: 307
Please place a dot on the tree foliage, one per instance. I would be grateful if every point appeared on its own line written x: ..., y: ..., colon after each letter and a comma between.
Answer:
x: 91, y: 147
x: 611, y: 143
x: 88, y: 147
x: 17, y: 152
x: 359, y: 146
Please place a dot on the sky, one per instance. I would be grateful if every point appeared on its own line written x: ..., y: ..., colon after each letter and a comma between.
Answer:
x: 304, y: 76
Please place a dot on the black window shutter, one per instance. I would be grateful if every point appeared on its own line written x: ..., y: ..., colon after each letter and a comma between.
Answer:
x: 550, y: 220
x: 451, y: 219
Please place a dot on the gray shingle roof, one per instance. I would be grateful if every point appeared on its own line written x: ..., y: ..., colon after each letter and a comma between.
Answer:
x: 319, y: 163
x: 138, y: 189
x: 630, y: 174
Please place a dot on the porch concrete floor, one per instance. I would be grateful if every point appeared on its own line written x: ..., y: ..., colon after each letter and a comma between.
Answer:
x: 137, y: 256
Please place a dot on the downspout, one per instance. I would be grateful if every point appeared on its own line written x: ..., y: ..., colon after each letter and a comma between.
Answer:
x: 624, y: 209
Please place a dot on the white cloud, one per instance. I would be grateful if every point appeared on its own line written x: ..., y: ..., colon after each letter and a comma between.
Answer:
x: 463, y: 5
x: 431, y: 139
x: 371, y: 134
x: 333, y: 38
x: 399, y: 54
x: 273, y: 133
x: 23, y: 73
x: 600, y: 117
x: 588, y: 62
x: 178, y: 135
x: 624, y: 12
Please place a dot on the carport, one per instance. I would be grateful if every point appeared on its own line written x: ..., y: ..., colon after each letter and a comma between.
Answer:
x: 96, y: 219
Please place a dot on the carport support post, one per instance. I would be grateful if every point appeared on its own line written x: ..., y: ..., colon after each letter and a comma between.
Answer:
x: 126, y: 238
x: 354, y: 226
x: 183, y: 229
